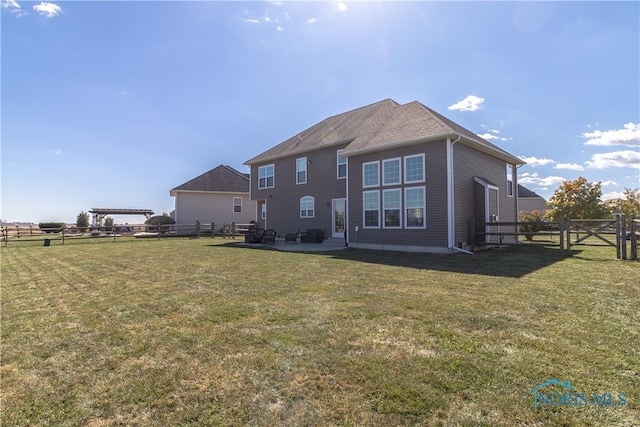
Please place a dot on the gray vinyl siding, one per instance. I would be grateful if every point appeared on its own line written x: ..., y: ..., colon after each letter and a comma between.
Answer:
x: 435, y: 233
x: 468, y: 163
x: 283, y: 200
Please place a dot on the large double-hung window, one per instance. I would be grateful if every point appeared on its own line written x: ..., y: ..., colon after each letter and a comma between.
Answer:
x: 414, y: 207
x: 414, y: 169
x: 301, y: 170
x: 266, y: 176
x: 392, y: 205
x: 371, y: 205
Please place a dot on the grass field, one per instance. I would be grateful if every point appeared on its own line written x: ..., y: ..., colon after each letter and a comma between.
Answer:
x: 182, y: 332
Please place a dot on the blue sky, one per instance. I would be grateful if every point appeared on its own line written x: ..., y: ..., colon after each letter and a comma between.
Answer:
x: 112, y: 104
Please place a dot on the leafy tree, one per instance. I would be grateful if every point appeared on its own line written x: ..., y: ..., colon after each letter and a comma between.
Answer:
x: 108, y: 224
x: 629, y: 205
x: 578, y: 199
x: 82, y: 222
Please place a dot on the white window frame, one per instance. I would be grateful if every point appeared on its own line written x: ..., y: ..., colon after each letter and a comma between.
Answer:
x: 364, y: 177
x: 407, y: 207
x: 235, y: 199
x: 266, y: 176
x: 301, y: 167
x: 385, y: 208
x: 341, y: 161
x: 406, y: 170
x: 365, y: 210
x: 510, y: 188
x: 305, y: 210
x: 384, y: 164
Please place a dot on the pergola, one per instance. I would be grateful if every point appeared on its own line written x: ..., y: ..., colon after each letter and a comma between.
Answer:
x: 100, y: 213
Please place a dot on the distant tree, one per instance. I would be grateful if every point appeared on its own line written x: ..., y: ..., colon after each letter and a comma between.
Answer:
x: 108, y: 224
x: 628, y: 205
x: 82, y: 222
x: 578, y: 199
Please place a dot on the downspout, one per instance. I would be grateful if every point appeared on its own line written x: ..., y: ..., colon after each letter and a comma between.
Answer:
x: 450, y: 195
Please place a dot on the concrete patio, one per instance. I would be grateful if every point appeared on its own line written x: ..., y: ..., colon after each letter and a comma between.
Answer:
x: 327, y: 245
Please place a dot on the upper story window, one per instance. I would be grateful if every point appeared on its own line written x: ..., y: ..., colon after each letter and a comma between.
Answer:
x: 342, y: 165
x: 266, y: 176
x: 301, y: 170
x: 237, y: 204
x: 371, y: 174
x: 391, y: 171
x: 307, y: 207
x: 414, y: 169
x: 509, y: 180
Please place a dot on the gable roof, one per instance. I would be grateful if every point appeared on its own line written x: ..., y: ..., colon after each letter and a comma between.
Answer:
x: 379, y: 126
x: 525, y: 193
x: 222, y: 178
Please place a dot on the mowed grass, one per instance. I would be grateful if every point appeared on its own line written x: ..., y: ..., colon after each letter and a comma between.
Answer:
x: 182, y: 332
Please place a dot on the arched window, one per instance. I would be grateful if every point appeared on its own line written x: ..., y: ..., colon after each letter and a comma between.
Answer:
x: 307, y: 207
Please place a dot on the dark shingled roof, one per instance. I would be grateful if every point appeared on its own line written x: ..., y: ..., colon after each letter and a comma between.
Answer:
x: 219, y: 179
x: 524, y: 192
x: 379, y: 126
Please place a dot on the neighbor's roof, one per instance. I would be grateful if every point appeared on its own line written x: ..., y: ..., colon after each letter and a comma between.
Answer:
x: 377, y: 127
x: 219, y: 179
x: 525, y: 193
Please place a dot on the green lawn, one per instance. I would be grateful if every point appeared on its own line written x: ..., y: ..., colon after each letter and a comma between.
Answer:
x: 181, y: 332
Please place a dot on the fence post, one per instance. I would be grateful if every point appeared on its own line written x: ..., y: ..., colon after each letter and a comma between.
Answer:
x: 233, y: 230
x: 64, y: 228
x: 622, y: 236
x: 197, y: 228
x: 634, y: 238
x: 213, y: 234
x: 561, y: 225
x: 618, y: 231
x: 568, y: 227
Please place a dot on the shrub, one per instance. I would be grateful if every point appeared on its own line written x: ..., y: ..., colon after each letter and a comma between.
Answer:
x: 530, y: 223
x: 108, y: 224
x: 51, y: 227
x: 154, y: 221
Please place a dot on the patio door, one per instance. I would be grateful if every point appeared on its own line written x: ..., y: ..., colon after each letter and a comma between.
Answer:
x: 339, y: 217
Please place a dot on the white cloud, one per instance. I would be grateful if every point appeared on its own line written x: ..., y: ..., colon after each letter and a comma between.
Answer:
x: 629, y: 135
x: 342, y: 7
x: 615, y: 159
x: 535, y: 179
x: 48, y: 9
x: 57, y: 152
x: 279, y: 28
x: 470, y: 103
x: 312, y: 21
x: 534, y: 161
x: 571, y: 166
x: 613, y: 195
x: 13, y: 7
x: 608, y: 183
x: 252, y: 21
x: 493, y: 134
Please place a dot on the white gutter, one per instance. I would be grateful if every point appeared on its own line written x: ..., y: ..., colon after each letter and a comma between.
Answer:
x: 450, y: 195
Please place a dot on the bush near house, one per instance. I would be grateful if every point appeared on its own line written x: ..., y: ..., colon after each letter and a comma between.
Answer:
x: 159, y: 220
x: 531, y: 223
x: 51, y: 227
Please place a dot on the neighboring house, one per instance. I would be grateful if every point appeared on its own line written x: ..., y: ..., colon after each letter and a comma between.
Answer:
x: 529, y: 201
x: 399, y: 177
x: 220, y: 195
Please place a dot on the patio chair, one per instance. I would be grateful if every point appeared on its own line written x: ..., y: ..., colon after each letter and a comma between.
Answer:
x: 269, y: 236
x: 312, y: 235
x: 254, y: 236
x: 292, y: 237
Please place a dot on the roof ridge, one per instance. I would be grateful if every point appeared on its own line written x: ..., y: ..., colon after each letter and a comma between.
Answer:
x: 244, y: 175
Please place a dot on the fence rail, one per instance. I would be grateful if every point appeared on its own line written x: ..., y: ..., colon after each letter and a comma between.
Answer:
x: 63, y: 234
x: 565, y: 234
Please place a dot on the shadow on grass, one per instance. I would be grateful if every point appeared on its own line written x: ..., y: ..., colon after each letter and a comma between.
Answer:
x: 512, y: 261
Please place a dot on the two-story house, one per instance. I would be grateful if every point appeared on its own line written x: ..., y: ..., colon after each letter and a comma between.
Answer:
x: 386, y: 176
